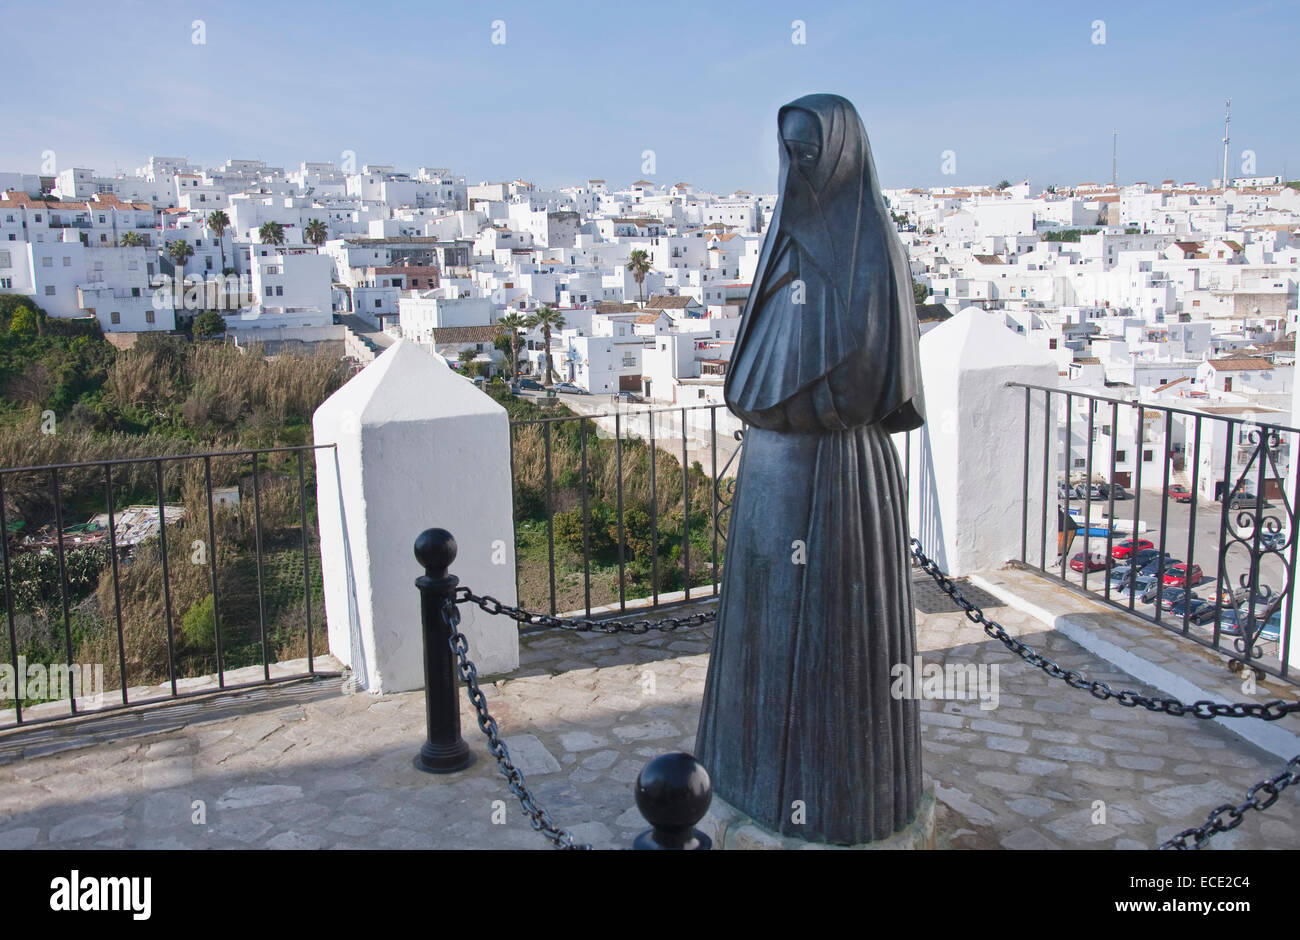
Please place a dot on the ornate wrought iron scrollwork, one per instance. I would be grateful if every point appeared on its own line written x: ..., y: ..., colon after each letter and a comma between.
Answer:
x: 724, y: 489
x: 1259, y: 532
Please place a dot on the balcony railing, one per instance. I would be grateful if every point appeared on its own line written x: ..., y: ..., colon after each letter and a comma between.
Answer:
x: 196, y: 574
x: 597, y: 521
x: 1215, y: 537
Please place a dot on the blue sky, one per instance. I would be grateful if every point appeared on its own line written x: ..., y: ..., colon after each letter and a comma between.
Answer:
x: 581, y: 89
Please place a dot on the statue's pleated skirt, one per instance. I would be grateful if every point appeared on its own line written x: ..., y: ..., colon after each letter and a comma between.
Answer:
x: 798, y: 728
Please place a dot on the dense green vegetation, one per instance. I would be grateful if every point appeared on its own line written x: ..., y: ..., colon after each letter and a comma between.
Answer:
x: 69, y: 396
x: 1069, y: 234
x: 644, y: 555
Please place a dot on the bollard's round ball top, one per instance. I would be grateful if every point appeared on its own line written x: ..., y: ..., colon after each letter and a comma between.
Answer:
x: 673, y: 791
x: 435, y: 549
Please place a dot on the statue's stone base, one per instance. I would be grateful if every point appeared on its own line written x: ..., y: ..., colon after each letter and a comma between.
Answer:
x: 729, y: 828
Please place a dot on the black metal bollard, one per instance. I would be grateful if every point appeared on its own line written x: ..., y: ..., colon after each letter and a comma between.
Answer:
x: 673, y: 792
x: 445, y: 751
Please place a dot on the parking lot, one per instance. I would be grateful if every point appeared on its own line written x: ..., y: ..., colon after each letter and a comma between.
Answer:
x: 1169, y: 525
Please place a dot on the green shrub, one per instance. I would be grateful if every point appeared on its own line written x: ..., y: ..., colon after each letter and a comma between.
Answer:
x: 198, y: 626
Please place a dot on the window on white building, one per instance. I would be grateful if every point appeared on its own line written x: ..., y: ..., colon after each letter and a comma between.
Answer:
x: 115, y: 317
x: 148, y: 316
x: 47, y: 262
x: 49, y: 290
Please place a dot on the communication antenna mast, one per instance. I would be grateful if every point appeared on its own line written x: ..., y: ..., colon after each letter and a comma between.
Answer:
x: 1227, y: 119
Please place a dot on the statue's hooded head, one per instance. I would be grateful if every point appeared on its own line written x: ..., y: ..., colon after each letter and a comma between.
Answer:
x: 854, y: 330
x: 828, y: 179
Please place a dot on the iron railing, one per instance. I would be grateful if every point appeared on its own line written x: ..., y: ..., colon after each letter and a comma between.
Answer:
x: 604, y: 486
x: 96, y: 586
x: 1235, y: 475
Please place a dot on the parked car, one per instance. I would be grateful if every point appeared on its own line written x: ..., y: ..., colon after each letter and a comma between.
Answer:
x: 1170, y: 596
x: 1119, y: 577
x: 1231, y: 621
x: 1155, y: 567
x: 1129, y: 546
x: 1140, y: 559
x: 530, y: 385
x: 1180, y: 575
x: 570, y: 389
x: 1201, y: 610
x: 1113, y: 491
x: 630, y: 396
x: 1139, y: 585
x: 1178, y: 491
x: 1274, y: 541
x: 1247, y: 501
x: 1097, y: 561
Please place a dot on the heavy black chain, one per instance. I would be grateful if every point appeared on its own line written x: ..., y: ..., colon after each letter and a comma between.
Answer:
x: 1234, y: 814
x: 540, y: 819
x: 668, y: 624
x: 1268, y: 711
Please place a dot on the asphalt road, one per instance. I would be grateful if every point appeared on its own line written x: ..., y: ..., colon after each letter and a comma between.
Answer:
x: 695, y: 450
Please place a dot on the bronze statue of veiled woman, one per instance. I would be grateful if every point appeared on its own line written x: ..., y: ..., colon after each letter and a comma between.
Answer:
x: 799, y: 729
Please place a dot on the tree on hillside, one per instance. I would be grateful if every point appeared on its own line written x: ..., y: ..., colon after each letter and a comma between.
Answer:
x: 467, y: 363
x: 209, y: 324
x: 180, y: 251
x: 218, y: 222
x: 510, y: 325
x: 920, y: 292
x: 638, y: 262
x: 1005, y: 184
x: 271, y: 233
x: 548, y: 319
x: 24, y: 324
x: 316, y: 233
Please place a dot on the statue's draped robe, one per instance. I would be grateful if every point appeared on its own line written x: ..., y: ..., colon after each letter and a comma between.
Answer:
x: 798, y: 728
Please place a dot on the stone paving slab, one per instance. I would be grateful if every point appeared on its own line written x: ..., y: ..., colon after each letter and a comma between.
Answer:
x: 311, y: 766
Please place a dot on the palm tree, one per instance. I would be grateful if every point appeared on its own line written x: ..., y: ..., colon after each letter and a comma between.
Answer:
x: 316, y: 233
x: 639, y: 264
x: 218, y: 221
x: 510, y: 325
x: 547, y: 318
x: 131, y: 240
x: 180, y: 251
x: 271, y: 233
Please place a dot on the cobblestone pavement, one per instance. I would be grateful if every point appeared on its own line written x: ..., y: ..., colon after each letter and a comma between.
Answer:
x: 308, y: 766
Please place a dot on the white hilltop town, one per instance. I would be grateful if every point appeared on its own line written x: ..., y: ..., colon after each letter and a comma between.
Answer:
x: 1176, y: 293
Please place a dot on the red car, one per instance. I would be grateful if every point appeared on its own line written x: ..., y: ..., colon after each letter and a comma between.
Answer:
x: 1096, y: 562
x: 1180, y: 493
x: 1177, y: 576
x: 1129, y: 546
